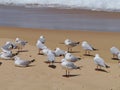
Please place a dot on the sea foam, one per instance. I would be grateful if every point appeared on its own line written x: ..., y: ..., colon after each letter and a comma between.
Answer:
x: 99, y: 5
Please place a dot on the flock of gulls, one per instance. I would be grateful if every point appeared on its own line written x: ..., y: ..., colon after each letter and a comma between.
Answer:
x: 68, y: 60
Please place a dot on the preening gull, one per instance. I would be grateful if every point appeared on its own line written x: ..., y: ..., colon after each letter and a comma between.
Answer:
x: 70, y: 44
x: 6, y: 55
x: 68, y: 66
x: 22, y: 63
x: 87, y: 47
x: 20, y: 43
x: 100, y: 62
x: 115, y: 51
x: 40, y: 46
x: 7, y: 47
x: 58, y: 52
x: 71, y: 58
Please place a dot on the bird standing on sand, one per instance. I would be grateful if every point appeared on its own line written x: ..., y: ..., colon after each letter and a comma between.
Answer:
x: 50, y: 57
x: 40, y: 47
x: 68, y: 66
x: 41, y: 44
x: 87, y: 47
x: 70, y: 44
x: 22, y: 63
x: 20, y: 44
x: 100, y: 62
x: 115, y: 51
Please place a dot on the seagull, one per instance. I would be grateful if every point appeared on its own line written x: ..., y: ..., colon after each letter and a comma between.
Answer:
x: 20, y: 43
x: 100, y: 62
x: 87, y: 47
x: 45, y: 51
x: 70, y: 44
x: 115, y: 51
x: 50, y: 57
x: 6, y: 55
x: 58, y: 52
x: 42, y: 39
x: 40, y: 46
x: 22, y: 63
x: 7, y: 47
x: 71, y: 58
x: 68, y: 66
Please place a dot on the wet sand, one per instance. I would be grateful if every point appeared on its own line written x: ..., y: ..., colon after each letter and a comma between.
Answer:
x: 40, y: 76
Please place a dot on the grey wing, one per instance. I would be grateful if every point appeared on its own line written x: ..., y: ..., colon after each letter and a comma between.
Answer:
x: 25, y: 62
x: 100, y: 62
x: 51, y: 57
x: 71, y: 65
x: 23, y: 43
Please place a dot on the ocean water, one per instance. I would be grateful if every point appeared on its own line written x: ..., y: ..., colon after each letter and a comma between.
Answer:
x: 61, y: 14
x: 104, y: 5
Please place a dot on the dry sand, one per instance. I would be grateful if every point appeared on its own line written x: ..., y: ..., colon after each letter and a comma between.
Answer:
x: 40, y: 77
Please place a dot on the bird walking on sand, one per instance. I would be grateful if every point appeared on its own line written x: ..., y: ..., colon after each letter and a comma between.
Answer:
x: 70, y: 44
x: 22, y: 63
x: 68, y: 66
x: 100, y: 62
x: 20, y: 44
x: 115, y: 51
x: 87, y: 47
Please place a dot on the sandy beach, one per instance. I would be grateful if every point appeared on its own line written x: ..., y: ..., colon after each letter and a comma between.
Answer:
x: 40, y: 76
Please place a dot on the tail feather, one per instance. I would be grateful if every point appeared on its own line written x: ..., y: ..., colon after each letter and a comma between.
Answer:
x: 107, y: 66
x: 79, y: 58
x: 94, y: 49
x: 77, y: 42
x: 32, y: 60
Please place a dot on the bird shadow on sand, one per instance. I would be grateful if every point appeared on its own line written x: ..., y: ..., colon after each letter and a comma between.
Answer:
x: 23, y: 51
x: 114, y: 58
x: 101, y: 70
x: 89, y: 55
x: 74, y: 51
x: 52, y: 66
x: 47, y: 62
x: 25, y: 66
x: 71, y: 75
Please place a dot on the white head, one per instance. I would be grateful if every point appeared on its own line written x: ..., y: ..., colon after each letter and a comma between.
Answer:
x: 96, y: 55
x: 57, y: 48
x: 63, y: 60
x: 84, y: 42
x: 42, y: 36
x: 17, y: 39
x: 8, y: 42
x: 16, y: 58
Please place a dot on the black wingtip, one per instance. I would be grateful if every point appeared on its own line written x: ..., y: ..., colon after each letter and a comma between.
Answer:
x: 77, y: 42
x: 33, y: 60
x: 0, y: 63
x: 107, y: 66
